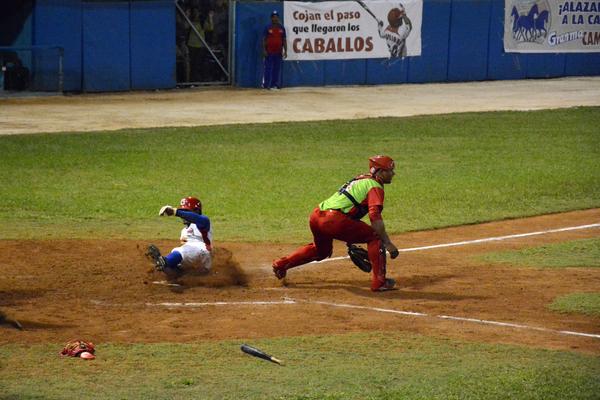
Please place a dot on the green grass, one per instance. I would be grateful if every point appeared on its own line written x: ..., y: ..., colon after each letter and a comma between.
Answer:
x: 580, y: 303
x: 259, y: 182
x: 583, y: 253
x: 385, y: 365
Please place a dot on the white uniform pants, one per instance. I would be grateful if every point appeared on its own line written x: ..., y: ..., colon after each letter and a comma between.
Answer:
x: 195, y: 255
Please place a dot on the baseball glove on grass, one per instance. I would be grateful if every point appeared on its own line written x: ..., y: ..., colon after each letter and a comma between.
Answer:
x: 75, y: 347
x: 360, y: 257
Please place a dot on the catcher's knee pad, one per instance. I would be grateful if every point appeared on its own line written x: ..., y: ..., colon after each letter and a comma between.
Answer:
x: 323, y: 251
x: 321, y: 255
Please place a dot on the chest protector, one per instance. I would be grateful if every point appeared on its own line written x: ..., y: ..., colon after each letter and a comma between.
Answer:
x: 361, y: 209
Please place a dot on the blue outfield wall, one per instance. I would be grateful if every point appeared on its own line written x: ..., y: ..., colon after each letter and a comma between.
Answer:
x: 468, y: 40
x: 502, y: 65
x: 58, y: 23
x: 106, y: 47
x: 110, y: 45
x: 113, y: 45
x: 152, y: 45
x: 462, y: 40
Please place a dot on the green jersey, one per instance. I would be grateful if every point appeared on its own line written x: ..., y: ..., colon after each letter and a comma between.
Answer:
x: 366, y: 191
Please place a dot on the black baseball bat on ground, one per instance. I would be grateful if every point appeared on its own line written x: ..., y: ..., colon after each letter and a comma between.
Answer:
x: 259, y: 353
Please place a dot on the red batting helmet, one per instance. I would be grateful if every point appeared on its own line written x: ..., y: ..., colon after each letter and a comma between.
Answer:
x: 191, y: 204
x: 380, y: 162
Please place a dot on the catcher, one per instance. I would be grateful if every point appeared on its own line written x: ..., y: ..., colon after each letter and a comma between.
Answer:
x: 339, y: 217
x: 196, y: 240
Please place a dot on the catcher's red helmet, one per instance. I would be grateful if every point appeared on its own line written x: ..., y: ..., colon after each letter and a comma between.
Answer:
x: 191, y: 204
x: 380, y: 162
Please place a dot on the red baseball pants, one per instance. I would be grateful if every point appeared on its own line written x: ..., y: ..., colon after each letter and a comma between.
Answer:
x: 333, y: 224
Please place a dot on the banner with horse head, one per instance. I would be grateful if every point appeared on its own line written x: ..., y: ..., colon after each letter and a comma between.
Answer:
x: 551, y: 26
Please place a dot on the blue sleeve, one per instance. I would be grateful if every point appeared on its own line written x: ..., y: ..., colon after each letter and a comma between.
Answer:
x: 201, y: 221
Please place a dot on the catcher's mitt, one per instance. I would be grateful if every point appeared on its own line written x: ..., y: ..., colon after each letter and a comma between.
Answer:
x: 75, y: 347
x: 360, y: 257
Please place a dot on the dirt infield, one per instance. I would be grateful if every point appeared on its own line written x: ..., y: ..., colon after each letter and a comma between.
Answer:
x: 195, y: 107
x: 105, y: 291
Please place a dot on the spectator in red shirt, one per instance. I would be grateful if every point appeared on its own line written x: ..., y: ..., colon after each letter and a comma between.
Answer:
x: 274, y: 51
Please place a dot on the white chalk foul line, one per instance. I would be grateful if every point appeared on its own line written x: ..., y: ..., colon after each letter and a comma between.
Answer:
x: 223, y: 303
x: 376, y: 309
x: 448, y: 317
x: 484, y: 240
x: 165, y: 283
x: 520, y: 326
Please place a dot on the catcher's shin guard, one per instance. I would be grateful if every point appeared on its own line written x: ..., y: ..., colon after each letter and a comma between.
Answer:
x: 303, y: 255
x: 387, y: 283
x: 377, y: 255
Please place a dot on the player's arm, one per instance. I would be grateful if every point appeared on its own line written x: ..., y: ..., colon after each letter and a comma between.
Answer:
x: 375, y: 202
x: 264, y: 42
x: 380, y: 29
x: 407, y: 21
x: 379, y: 228
x: 201, y: 221
x: 284, y: 43
x: 209, y: 24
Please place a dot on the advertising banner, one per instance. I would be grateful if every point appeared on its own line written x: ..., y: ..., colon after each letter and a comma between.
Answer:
x: 551, y: 26
x: 334, y: 30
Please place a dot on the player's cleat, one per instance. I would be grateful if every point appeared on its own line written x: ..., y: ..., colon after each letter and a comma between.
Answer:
x: 160, y: 264
x: 154, y: 254
x: 279, y: 272
x: 279, y: 267
x: 389, y: 284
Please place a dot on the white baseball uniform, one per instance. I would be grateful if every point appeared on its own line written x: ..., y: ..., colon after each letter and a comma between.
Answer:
x: 395, y: 38
x: 195, y: 248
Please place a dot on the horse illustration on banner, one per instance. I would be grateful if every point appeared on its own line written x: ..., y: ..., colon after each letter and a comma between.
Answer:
x: 530, y: 24
x: 540, y: 25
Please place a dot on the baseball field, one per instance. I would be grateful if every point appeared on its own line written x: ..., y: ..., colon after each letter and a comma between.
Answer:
x: 496, y: 215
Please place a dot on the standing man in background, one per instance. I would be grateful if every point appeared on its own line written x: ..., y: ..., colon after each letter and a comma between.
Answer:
x: 274, y: 51
x: 198, y: 53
